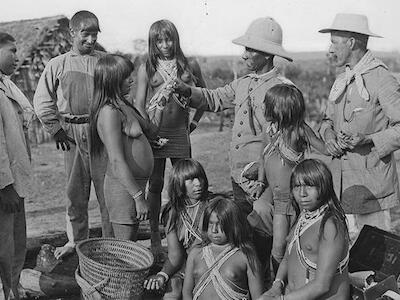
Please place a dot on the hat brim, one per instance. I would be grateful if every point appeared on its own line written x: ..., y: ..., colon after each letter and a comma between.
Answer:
x: 262, y: 45
x: 329, y: 30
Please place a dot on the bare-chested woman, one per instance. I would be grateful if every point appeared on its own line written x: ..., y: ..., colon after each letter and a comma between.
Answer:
x: 226, y: 267
x: 164, y: 64
x: 116, y: 125
x: 315, y: 262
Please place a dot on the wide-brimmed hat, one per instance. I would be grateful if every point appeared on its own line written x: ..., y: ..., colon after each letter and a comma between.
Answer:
x: 265, y: 35
x: 351, y: 23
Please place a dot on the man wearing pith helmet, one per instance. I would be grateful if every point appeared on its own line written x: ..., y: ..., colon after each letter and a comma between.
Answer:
x: 262, y: 42
x: 362, y: 126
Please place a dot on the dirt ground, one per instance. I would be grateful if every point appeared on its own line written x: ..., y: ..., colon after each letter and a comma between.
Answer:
x: 45, y: 208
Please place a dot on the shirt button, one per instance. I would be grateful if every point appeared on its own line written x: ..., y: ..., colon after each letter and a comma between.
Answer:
x: 236, y: 147
x: 245, y: 112
x: 239, y: 135
x: 241, y: 122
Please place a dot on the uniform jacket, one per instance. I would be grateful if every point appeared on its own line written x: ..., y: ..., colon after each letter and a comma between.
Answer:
x: 246, y: 95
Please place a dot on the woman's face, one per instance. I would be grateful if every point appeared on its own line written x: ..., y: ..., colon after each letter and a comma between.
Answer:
x: 166, y: 46
x: 306, y: 196
x: 126, y: 86
x: 194, y: 188
x: 214, y: 231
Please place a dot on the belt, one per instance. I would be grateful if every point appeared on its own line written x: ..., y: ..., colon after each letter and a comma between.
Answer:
x: 83, y: 119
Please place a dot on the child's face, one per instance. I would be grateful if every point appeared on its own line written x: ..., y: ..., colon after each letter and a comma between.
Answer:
x: 194, y: 188
x: 214, y: 231
x: 165, y: 46
x: 306, y: 196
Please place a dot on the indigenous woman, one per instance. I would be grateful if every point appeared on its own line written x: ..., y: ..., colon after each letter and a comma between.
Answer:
x: 164, y: 64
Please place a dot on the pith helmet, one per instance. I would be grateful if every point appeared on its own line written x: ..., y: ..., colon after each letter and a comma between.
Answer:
x: 265, y: 35
x: 351, y: 23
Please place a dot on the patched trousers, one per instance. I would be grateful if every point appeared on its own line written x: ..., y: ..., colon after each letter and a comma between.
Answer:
x: 82, y: 169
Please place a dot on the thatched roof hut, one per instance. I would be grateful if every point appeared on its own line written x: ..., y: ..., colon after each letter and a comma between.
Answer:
x: 38, y: 40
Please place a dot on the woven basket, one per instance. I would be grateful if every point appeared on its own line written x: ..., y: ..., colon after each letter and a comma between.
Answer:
x: 115, y: 268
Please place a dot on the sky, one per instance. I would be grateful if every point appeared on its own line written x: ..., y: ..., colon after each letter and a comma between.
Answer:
x: 207, y: 27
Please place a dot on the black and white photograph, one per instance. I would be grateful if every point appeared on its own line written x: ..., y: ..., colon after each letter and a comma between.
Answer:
x: 200, y: 150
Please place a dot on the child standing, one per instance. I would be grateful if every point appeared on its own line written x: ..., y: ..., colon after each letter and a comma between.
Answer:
x: 226, y: 267
x: 286, y: 138
x: 164, y: 64
x: 315, y: 262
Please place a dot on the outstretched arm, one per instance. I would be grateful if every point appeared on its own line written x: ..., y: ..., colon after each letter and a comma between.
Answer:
x: 199, y: 83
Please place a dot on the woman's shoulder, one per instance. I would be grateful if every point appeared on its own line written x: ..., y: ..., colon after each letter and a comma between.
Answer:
x: 109, y: 111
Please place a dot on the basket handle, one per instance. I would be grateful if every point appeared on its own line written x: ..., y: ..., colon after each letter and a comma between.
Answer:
x: 90, y: 289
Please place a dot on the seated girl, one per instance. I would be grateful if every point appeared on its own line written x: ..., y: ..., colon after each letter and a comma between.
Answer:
x: 315, y: 262
x: 226, y: 266
x: 188, y: 194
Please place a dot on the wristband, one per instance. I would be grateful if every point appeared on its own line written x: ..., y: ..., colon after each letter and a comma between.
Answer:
x: 163, y: 274
x: 138, y: 194
x: 279, y: 281
x: 261, y: 184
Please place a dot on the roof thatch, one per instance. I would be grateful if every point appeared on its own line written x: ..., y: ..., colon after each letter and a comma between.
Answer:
x: 30, y: 33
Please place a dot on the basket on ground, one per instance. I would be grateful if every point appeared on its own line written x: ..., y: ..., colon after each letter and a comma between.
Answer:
x: 116, y: 268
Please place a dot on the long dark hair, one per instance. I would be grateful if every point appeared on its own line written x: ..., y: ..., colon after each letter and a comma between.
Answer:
x: 284, y: 106
x: 234, y: 224
x: 165, y: 28
x: 183, y: 170
x: 110, y: 72
x: 314, y: 172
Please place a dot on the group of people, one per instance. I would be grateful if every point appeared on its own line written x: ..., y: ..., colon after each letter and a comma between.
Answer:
x: 295, y: 214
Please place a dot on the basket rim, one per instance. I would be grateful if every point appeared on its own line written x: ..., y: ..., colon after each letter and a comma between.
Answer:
x: 80, y: 254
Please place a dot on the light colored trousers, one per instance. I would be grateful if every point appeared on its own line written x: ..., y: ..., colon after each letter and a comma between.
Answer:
x: 81, y: 170
x: 12, y: 250
x: 380, y: 219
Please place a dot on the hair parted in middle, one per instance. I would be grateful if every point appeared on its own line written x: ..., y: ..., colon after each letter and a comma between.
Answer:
x: 159, y: 29
x: 313, y: 172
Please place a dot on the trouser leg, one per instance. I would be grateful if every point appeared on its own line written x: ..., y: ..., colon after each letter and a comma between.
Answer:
x: 6, y: 251
x: 19, y: 248
x: 78, y: 189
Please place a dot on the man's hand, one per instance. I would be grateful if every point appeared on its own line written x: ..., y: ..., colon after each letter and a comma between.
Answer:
x: 334, y: 148
x: 63, y: 140
x: 10, y: 201
x: 182, y: 88
x: 354, y: 140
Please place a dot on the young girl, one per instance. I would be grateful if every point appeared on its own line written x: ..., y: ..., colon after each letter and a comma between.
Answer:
x: 188, y: 193
x: 165, y: 63
x: 286, y: 138
x: 226, y: 266
x: 117, y: 126
x: 315, y: 263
